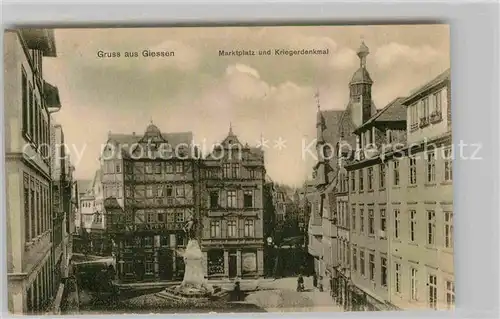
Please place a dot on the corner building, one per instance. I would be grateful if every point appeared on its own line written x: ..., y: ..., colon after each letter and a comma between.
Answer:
x: 29, y: 100
x: 233, y: 178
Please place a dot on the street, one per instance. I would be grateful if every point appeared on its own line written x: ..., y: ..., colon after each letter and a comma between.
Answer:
x: 281, y: 296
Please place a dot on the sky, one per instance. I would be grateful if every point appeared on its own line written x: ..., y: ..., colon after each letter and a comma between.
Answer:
x: 270, y: 98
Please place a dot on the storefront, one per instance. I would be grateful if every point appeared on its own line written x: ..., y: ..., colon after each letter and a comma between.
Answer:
x: 231, y: 263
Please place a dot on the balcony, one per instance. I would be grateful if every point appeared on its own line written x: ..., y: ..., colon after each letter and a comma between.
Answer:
x: 424, y: 121
x: 436, y: 117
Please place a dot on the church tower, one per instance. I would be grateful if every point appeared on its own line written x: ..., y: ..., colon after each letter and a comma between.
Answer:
x: 360, y: 88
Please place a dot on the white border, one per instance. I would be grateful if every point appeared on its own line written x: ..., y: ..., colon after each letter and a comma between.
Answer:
x: 475, y: 96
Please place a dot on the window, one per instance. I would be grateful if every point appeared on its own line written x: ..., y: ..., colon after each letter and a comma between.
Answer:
x: 362, y: 220
x: 149, y: 168
x: 179, y: 168
x: 450, y: 294
x: 413, y: 171
x: 370, y: 178
x: 249, y: 228
x: 150, y: 218
x: 431, y: 167
x: 231, y: 199
x: 436, y: 103
x: 362, y: 262
x: 27, y: 213
x: 215, y: 228
x: 118, y: 168
x: 31, y: 109
x: 425, y: 108
x: 226, y: 170
x: 33, y: 209
x: 396, y: 172
x: 236, y: 171
x: 231, y: 228
x: 179, y: 216
x: 413, y: 225
x: 448, y: 229
x: 371, y: 222
x: 381, y: 175
x: 371, y: 266
x: 149, y: 191
x: 180, y: 191
x: 149, y: 267
x: 361, y: 184
x: 431, y: 227
x: 413, y: 283
x: 397, y: 277
x: 397, y: 223
x: 353, y: 181
x: 159, y: 191
x: 214, y: 199
x: 432, y: 297
x: 169, y: 191
x: 354, y: 259
x: 353, y: 225
x: 24, y: 88
x: 248, y: 198
x: 383, y: 271
x: 448, y: 166
x: 414, y: 117
x: 169, y: 168
x: 157, y: 168
x: 383, y: 220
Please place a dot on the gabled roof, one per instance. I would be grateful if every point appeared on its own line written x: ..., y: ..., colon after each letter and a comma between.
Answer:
x: 361, y: 76
x: 429, y: 85
x: 395, y: 111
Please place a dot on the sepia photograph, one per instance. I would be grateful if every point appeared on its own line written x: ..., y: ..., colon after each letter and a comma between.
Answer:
x: 229, y: 169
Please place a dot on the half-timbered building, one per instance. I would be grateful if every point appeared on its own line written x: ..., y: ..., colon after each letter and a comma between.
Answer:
x: 149, y: 184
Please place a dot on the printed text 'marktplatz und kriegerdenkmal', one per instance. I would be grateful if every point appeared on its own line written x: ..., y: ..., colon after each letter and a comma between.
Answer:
x: 274, y: 52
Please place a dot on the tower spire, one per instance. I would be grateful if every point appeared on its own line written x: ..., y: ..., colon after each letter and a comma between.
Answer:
x: 316, y: 96
x: 230, y: 128
x: 362, y: 52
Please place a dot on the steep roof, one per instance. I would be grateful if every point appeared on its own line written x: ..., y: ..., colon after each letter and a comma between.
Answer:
x: 331, y: 120
x: 361, y: 76
x: 173, y: 139
x: 395, y: 111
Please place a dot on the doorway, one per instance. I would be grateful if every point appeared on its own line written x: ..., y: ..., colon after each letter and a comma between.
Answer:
x: 233, y: 264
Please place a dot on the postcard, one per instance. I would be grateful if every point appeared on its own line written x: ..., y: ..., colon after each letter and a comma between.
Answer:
x: 229, y: 169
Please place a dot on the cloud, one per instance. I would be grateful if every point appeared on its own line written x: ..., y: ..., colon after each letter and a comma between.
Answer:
x: 387, y: 55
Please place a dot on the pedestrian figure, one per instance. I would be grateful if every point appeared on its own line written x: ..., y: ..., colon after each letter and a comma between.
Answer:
x: 236, y: 291
x: 300, y: 283
x: 320, y: 285
x: 315, y: 280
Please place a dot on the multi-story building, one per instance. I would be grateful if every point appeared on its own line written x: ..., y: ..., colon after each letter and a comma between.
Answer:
x: 420, y: 203
x: 368, y: 204
x: 150, y: 186
x: 233, y: 178
x: 377, y: 208
x: 29, y: 100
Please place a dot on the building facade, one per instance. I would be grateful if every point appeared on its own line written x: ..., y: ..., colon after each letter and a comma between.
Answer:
x: 420, y: 203
x: 29, y: 100
x: 382, y: 198
x: 232, y: 209
x: 150, y: 186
